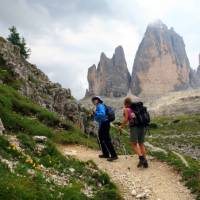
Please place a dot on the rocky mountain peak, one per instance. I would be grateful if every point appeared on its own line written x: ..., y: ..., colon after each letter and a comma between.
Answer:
x: 111, y: 78
x: 119, y: 51
x: 198, y: 70
x: 119, y: 57
x: 161, y: 63
x: 103, y: 56
x: 195, y: 76
x: 92, y: 68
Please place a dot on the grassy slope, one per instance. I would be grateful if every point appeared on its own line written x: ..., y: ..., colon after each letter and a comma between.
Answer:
x: 24, y: 119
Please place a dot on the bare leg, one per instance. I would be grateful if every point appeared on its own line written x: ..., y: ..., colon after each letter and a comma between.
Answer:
x: 136, y: 149
x: 142, y: 150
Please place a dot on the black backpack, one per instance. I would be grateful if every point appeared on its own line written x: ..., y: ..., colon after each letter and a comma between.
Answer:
x: 110, y: 113
x: 142, y: 115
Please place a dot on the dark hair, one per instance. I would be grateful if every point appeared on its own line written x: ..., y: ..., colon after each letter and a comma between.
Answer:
x: 128, y: 101
x: 97, y: 98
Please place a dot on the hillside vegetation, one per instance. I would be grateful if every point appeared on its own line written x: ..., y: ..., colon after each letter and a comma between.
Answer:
x: 32, y: 169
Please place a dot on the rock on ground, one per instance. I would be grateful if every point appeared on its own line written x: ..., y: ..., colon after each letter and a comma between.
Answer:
x: 2, y: 129
x: 40, y: 138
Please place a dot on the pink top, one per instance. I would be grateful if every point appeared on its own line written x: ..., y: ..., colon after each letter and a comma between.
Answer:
x: 131, y: 114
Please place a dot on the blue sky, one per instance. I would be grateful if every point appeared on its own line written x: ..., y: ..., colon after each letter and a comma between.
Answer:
x: 67, y: 36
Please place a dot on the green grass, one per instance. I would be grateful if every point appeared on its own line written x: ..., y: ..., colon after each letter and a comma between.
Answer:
x: 7, y: 76
x: 36, y: 187
x: 19, y: 114
x: 177, y: 132
x: 190, y: 176
x: 120, y: 139
x: 189, y: 124
x: 166, y: 132
x: 25, y: 119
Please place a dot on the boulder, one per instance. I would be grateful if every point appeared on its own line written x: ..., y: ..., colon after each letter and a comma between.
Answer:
x: 40, y: 138
x: 2, y: 129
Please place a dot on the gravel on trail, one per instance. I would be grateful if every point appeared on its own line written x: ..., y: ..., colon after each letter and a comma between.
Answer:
x: 158, y: 182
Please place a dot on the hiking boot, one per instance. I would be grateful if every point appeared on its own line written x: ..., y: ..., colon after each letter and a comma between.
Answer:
x: 112, y: 158
x: 103, y: 156
x: 141, y: 161
x: 140, y: 164
x: 145, y: 164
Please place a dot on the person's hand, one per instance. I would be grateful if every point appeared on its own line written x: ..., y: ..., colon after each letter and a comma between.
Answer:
x: 92, y: 113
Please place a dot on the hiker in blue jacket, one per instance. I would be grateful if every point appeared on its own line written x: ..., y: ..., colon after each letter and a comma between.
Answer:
x: 100, y: 116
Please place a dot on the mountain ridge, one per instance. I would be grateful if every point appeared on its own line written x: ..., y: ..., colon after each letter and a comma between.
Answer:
x: 161, y: 65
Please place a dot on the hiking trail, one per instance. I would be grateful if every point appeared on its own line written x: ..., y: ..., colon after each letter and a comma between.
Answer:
x: 158, y: 182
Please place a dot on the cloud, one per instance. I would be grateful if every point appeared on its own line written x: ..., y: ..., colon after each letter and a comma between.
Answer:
x: 26, y: 16
x: 67, y: 54
x: 155, y: 9
x: 67, y: 36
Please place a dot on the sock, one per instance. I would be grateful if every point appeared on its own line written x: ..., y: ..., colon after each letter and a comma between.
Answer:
x: 141, y: 158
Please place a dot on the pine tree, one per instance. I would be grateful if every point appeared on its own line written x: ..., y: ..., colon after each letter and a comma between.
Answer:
x: 15, y: 39
x: 25, y: 51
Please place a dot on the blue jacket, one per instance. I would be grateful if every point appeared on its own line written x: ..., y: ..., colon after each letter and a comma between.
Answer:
x: 100, y: 113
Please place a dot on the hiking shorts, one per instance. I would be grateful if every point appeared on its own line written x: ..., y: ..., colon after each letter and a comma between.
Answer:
x: 137, y: 134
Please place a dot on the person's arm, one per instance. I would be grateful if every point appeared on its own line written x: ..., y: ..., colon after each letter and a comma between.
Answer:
x: 100, y: 113
x: 125, y: 120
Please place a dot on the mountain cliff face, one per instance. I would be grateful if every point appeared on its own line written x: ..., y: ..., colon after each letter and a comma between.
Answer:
x: 111, y: 78
x: 195, y: 78
x: 33, y: 83
x: 198, y: 72
x: 161, y: 63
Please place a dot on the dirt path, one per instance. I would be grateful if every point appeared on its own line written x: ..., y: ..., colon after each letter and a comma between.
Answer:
x: 158, y: 182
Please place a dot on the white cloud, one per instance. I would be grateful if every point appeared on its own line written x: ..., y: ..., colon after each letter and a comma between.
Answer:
x: 67, y: 37
x: 72, y: 52
x: 156, y: 9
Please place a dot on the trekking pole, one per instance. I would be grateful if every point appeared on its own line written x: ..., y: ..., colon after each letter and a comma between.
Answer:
x: 122, y: 130
x: 98, y: 142
x: 124, y: 146
x: 121, y: 144
x: 148, y: 131
x: 88, y: 137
